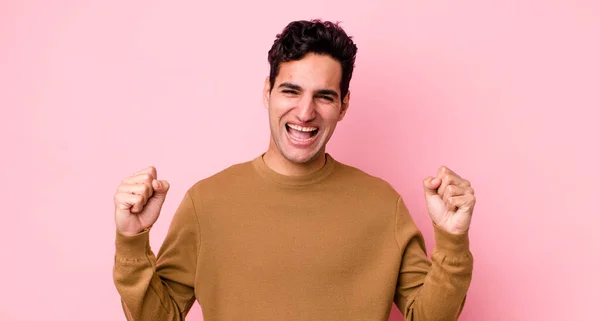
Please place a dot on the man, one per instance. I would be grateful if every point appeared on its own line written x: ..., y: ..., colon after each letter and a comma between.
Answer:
x: 294, y: 234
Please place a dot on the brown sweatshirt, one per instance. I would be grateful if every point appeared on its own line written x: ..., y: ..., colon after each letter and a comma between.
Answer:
x: 251, y: 244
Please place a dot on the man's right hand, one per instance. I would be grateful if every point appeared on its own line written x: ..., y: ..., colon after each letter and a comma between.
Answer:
x: 138, y: 201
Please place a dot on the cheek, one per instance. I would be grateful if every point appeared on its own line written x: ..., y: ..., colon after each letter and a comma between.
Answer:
x: 330, y: 115
x: 279, y: 107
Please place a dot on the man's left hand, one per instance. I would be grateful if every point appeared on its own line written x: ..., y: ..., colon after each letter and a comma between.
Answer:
x: 450, y: 200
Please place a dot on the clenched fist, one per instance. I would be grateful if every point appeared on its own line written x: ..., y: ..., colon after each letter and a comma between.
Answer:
x: 450, y: 200
x: 138, y: 201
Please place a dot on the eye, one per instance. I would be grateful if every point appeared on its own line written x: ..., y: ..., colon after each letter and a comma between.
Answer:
x: 289, y: 91
x: 328, y: 98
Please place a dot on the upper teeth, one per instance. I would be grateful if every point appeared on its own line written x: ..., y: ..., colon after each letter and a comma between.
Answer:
x: 304, y: 129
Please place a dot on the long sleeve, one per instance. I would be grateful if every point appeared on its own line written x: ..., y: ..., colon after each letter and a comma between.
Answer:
x: 431, y: 290
x: 159, y: 288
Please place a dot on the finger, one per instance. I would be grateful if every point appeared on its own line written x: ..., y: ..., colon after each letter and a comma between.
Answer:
x: 448, y: 177
x: 430, y: 185
x: 456, y: 179
x: 456, y: 190
x: 148, y: 170
x: 143, y: 182
x: 139, y: 189
x: 446, y: 170
x: 132, y: 202
x: 141, y: 178
x: 160, y: 186
x: 461, y: 201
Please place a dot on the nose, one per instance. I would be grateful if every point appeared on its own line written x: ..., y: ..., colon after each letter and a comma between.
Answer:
x: 306, y: 109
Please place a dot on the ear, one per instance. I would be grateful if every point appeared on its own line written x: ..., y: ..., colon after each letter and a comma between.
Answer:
x: 266, y: 93
x: 345, y: 105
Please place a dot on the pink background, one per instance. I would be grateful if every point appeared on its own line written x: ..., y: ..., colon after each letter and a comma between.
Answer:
x: 505, y: 92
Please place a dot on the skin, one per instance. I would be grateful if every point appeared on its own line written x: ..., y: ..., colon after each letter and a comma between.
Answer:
x: 306, y: 93
x: 450, y: 200
x: 138, y: 201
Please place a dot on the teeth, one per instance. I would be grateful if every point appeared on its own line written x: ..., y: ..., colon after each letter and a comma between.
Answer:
x: 302, y: 129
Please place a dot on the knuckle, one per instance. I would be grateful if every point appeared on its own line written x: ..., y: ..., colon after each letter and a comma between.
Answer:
x: 148, y: 188
x: 141, y: 188
x: 122, y: 189
x: 145, y: 178
x: 147, y: 191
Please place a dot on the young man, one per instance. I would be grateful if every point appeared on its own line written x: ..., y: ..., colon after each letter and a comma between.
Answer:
x: 294, y: 234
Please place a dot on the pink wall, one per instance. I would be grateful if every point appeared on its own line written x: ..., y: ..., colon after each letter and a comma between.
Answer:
x: 505, y: 92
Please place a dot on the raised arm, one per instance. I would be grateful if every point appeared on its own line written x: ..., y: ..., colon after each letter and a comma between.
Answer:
x: 162, y: 287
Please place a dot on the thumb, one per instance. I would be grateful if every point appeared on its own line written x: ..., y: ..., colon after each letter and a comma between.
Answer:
x: 430, y: 185
x: 160, y: 189
x: 155, y: 202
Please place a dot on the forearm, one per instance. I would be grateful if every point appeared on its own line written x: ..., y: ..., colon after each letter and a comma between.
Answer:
x: 144, y: 295
x: 443, y: 292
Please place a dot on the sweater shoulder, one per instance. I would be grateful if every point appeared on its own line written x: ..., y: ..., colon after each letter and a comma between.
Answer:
x: 228, y: 179
x: 366, y: 183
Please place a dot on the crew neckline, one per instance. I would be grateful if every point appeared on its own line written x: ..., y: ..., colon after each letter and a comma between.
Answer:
x: 301, y: 180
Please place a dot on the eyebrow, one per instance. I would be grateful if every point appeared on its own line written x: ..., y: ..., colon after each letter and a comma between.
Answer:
x: 298, y: 88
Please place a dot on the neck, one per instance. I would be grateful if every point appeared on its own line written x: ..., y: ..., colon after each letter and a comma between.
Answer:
x: 280, y: 164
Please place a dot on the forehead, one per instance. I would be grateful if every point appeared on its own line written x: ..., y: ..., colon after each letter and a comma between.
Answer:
x: 312, y: 72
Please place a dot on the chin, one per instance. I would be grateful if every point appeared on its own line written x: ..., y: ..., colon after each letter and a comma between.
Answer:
x: 301, y: 157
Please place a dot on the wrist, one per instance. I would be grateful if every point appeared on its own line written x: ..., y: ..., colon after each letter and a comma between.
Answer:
x: 132, y: 246
x: 449, y: 242
x: 133, y: 233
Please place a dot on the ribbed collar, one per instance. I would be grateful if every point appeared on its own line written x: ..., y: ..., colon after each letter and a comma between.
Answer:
x: 303, y: 180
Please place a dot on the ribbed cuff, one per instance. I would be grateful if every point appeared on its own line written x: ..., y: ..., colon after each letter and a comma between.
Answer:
x: 451, y: 243
x: 134, y: 246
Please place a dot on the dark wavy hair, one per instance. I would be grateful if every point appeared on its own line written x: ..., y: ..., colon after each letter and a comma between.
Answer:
x: 301, y: 37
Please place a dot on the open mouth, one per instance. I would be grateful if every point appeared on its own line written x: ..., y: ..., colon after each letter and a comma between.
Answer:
x: 301, y: 133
